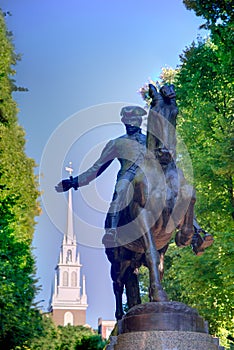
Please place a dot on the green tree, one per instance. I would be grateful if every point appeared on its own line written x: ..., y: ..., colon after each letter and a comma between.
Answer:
x: 69, y: 336
x: 49, y: 338
x: 65, y: 338
x: 204, y: 94
x: 93, y: 342
x: 214, y: 12
x: 19, y: 317
x: 204, y: 85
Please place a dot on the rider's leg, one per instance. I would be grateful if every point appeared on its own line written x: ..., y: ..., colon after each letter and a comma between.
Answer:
x: 119, y: 202
x: 111, y: 223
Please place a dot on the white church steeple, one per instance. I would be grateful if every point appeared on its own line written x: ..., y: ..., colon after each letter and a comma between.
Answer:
x: 69, y: 301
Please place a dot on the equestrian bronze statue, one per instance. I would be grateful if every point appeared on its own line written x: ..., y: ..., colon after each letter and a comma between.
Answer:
x: 151, y: 199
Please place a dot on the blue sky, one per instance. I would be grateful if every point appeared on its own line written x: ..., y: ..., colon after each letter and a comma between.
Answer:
x: 77, y: 55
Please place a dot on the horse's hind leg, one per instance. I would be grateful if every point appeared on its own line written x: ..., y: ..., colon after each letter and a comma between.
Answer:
x: 117, y: 284
x: 132, y: 288
x: 156, y: 292
x: 118, y: 290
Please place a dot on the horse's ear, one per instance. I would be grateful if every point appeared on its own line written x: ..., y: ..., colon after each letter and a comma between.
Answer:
x: 152, y: 91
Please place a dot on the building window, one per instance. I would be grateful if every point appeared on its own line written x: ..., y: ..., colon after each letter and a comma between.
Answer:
x: 73, y: 279
x: 65, y: 278
x: 68, y: 318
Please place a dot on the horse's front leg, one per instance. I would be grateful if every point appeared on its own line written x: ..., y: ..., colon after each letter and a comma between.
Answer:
x: 183, y: 215
x: 161, y: 263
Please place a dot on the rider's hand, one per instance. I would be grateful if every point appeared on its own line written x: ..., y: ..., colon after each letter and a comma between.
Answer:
x: 65, y: 185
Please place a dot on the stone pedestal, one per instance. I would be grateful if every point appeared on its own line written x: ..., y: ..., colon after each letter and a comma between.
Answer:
x: 162, y: 316
x: 165, y: 340
x: 163, y: 326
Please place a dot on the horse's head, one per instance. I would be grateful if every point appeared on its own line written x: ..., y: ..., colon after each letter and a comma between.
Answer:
x: 168, y: 91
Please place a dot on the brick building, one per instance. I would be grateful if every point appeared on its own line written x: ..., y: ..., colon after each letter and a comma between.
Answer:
x: 105, y: 327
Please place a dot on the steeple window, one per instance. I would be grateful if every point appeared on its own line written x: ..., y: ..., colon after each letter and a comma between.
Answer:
x: 73, y: 279
x: 65, y: 278
x: 69, y: 255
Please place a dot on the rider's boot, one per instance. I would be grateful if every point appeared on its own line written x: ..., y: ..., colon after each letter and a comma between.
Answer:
x: 110, y: 237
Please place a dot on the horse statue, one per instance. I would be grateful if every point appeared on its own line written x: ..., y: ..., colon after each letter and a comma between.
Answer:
x: 160, y: 202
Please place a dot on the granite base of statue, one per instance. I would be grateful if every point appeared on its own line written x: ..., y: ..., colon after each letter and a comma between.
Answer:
x: 163, y: 326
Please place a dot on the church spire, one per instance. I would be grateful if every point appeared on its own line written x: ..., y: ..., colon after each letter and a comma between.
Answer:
x: 69, y: 300
x: 69, y: 235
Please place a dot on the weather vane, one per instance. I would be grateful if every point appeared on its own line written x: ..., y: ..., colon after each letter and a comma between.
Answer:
x: 69, y: 168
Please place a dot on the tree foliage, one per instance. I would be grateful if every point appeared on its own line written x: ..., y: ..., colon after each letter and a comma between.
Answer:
x: 66, y: 338
x: 204, y: 85
x: 204, y: 88
x: 70, y: 336
x: 93, y: 342
x: 19, y: 318
x: 219, y: 11
x: 205, y: 98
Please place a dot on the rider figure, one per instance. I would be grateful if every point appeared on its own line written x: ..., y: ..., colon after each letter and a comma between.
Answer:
x: 130, y: 150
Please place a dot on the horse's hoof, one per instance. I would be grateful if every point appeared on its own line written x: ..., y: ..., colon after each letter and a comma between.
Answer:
x: 182, y: 239
x: 162, y: 295
x: 199, y: 244
x: 119, y: 316
x: 208, y: 240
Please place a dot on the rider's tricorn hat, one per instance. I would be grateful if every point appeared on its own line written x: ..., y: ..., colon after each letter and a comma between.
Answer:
x: 132, y: 115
